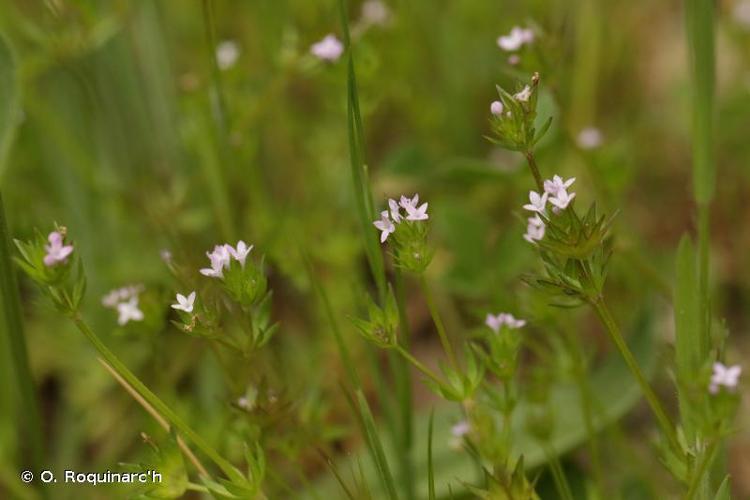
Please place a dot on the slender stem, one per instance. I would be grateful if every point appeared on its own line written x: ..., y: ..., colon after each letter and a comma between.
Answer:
x: 438, y: 322
x: 418, y: 365
x: 164, y: 410
x: 404, y: 392
x: 704, y: 233
x: 531, y: 160
x: 151, y: 411
x: 558, y: 475
x: 614, y: 332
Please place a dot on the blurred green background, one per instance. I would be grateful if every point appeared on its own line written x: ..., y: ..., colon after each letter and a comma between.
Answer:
x: 125, y: 132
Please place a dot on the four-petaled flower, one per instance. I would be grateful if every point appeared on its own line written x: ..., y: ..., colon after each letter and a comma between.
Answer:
x: 129, y: 311
x: 727, y: 376
x: 523, y: 95
x: 496, y: 322
x: 537, y: 202
x: 227, y: 53
x: 185, y: 303
x: 496, y: 108
x: 515, y: 39
x: 416, y: 213
x: 328, y: 49
x: 562, y: 200
x: 240, y: 253
x: 56, y: 251
x: 535, y: 229
x: 384, y: 225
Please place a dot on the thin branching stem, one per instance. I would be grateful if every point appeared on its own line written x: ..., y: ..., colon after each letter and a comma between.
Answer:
x: 531, y: 160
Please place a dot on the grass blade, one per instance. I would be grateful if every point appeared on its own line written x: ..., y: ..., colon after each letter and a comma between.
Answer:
x: 430, y: 470
x: 9, y: 103
x: 11, y: 325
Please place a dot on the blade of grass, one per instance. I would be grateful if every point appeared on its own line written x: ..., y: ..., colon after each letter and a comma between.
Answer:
x: 362, y: 193
x: 9, y: 103
x: 430, y: 470
x: 376, y: 446
x: 12, y: 328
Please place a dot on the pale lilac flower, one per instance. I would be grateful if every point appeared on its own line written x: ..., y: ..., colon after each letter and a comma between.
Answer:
x: 56, y: 251
x: 535, y: 229
x: 384, y: 225
x: 240, y: 253
x: 589, y: 138
x: 727, y: 376
x: 562, y: 199
x: 375, y: 12
x: 416, y: 213
x: 114, y: 297
x: 395, y: 210
x: 523, y: 95
x: 244, y: 403
x: 219, y: 260
x: 496, y: 322
x: 515, y: 39
x: 514, y: 323
x: 328, y: 49
x: 496, y: 108
x: 129, y: 311
x: 460, y: 429
x: 557, y: 185
x: 537, y: 202
x: 514, y: 59
x: 227, y: 53
x: 185, y: 303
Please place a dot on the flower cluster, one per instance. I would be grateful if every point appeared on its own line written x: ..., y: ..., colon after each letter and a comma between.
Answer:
x: 499, y: 353
x: 556, y: 193
x: 724, y: 376
x: 405, y: 220
x: 513, y: 118
x: 125, y: 301
x: 245, y: 282
x: 389, y: 218
x: 496, y: 321
x: 221, y: 257
x: 329, y: 49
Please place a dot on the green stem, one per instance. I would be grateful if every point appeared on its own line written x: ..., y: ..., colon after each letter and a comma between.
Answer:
x: 164, y: 410
x: 404, y: 392
x: 558, y: 475
x: 531, y: 160
x: 614, y: 332
x: 419, y: 366
x: 10, y: 314
x: 438, y: 322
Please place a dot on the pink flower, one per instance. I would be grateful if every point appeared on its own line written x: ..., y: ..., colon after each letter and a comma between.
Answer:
x: 56, y: 251
x: 240, y: 253
x: 328, y: 49
x: 557, y: 184
x: 219, y: 260
x: 536, y: 202
x: 727, y: 376
x: 496, y: 322
x: 496, y: 108
x: 384, y: 225
x: 535, y: 229
x: 185, y: 303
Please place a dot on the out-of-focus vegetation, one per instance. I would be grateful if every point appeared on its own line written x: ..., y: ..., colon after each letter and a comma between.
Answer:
x: 117, y: 122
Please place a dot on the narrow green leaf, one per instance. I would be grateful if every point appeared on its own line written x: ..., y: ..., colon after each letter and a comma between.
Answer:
x: 723, y: 492
x: 13, y: 340
x: 9, y: 102
x: 430, y: 469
